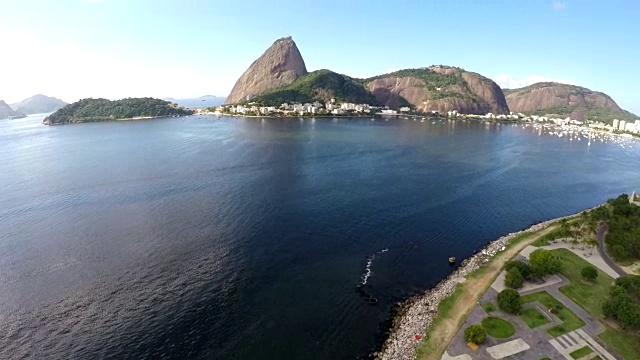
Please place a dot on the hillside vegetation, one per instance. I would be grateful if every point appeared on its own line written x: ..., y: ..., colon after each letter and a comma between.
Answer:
x: 563, y: 100
x: 432, y: 81
x: 321, y: 85
x: 91, y: 110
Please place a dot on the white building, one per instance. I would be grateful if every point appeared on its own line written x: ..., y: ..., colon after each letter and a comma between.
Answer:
x: 405, y: 109
x: 622, y: 125
x: 616, y: 123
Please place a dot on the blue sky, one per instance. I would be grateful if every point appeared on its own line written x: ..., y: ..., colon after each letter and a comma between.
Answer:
x: 119, y: 48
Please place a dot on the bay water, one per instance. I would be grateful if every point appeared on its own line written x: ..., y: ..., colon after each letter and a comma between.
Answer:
x: 226, y: 238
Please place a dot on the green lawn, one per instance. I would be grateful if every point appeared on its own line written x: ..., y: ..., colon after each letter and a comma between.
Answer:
x: 583, y: 351
x: 533, y: 317
x: 570, y: 321
x: 498, y: 327
x: 589, y: 295
x: 488, y: 307
x: 622, y: 341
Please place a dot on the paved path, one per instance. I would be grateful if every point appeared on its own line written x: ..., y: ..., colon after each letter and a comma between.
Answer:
x: 600, y: 234
x: 570, y: 342
x: 593, y: 326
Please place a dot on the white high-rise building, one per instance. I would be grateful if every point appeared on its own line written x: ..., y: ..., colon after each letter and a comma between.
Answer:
x: 616, y: 123
x: 622, y: 125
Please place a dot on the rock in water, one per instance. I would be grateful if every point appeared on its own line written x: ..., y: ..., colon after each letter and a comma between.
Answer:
x: 279, y: 66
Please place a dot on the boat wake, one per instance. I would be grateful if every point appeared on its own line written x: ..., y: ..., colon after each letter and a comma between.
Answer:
x: 365, y: 276
x: 367, y: 269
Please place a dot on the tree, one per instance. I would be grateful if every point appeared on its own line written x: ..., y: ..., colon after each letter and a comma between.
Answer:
x: 543, y: 263
x: 475, y: 334
x: 620, y: 306
x: 589, y: 272
x: 523, y: 267
x: 514, y: 278
x: 509, y: 301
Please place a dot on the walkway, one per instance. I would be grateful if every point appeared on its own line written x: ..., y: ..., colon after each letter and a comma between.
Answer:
x: 600, y: 234
x: 570, y: 342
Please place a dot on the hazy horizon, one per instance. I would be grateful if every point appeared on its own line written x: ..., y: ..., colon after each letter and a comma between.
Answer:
x: 112, y: 49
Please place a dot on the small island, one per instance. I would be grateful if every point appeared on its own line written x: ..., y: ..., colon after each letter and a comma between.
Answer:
x: 93, y: 110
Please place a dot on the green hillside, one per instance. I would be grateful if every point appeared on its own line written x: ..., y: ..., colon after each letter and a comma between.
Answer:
x: 431, y: 78
x: 91, y: 110
x: 320, y: 85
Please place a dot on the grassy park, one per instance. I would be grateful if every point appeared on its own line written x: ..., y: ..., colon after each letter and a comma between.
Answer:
x: 570, y: 321
x: 533, y: 318
x: 498, y: 328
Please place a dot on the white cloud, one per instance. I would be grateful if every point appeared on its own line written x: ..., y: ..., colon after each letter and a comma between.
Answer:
x: 507, y: 82
x: 559, y: 5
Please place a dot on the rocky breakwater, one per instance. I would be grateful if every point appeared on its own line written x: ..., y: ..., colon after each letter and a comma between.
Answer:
x: 416, y: 314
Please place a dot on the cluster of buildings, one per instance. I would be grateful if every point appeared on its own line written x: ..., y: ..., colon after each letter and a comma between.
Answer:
x: 346, y: 108
x: 629, y: 126
x: 298, y: 109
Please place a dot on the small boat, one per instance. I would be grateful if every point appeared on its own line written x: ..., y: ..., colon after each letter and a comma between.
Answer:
x: 452, y: 260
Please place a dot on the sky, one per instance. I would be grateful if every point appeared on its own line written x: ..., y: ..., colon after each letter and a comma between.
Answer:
x: 73, y: 49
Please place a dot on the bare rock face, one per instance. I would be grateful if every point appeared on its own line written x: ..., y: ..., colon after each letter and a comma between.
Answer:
x: 439, y: 88
x: 279, y: 66
x: 559, y: 99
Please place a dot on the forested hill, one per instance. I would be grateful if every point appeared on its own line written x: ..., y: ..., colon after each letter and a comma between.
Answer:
x: 90, y: 110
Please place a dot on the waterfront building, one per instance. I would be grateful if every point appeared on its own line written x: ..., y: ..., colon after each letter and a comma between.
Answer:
x: 622, y: 125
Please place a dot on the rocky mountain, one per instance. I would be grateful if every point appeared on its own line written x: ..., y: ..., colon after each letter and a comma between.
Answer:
x: 320, y: 85
x: 38, y: 104
x: 562, y: 100
x: 439, y: 88
x: 6, y: 111
x: 279, y: 66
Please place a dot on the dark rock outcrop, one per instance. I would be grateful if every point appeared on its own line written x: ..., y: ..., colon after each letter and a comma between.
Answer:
x: 439, y: 88
x: 550, y: 98
x: 279, y: 66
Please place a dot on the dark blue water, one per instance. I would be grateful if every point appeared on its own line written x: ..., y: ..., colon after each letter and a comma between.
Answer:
x: 226, y: 238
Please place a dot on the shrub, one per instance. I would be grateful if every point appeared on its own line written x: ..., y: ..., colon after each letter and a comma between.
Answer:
x: 509, y: 301
x: 475, y: 334
x: 523, y: 267
x: 589, y: 272
x: 543, y: 263
x: 514, y: 278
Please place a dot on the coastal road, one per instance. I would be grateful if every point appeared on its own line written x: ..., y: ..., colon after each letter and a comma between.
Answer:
x: 600, y: 234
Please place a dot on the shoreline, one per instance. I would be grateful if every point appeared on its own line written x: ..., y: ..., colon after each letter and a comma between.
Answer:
x: 416, y: 314
x: 586, y: 129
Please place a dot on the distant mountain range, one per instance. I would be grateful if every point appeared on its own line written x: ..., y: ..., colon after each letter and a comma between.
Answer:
x: 38, y: 104
x: 6, y: 111
x: 280, y: 75
x: 199, y: 102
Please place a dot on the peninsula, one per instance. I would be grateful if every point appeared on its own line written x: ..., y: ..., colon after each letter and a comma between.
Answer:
x: 565, y: 300
x: 93, y: 110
